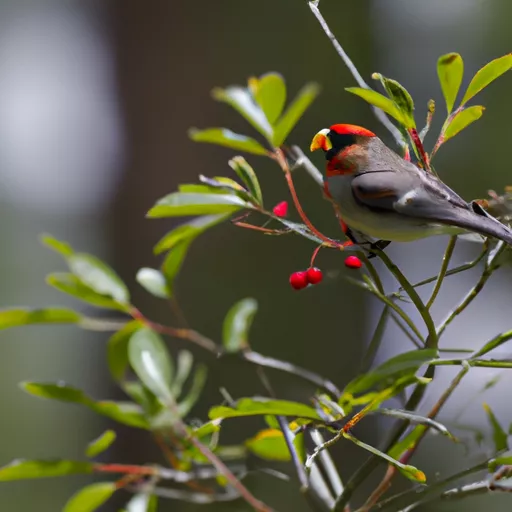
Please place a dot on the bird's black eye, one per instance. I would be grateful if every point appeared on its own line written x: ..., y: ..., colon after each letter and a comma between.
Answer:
x: 340, y: 141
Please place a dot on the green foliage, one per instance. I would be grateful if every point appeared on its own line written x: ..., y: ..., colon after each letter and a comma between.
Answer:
x: 90, y: 497
x: 462, y: 120
x: 269, y: 444
x: 100, y: 444
x: 30, y: 469
x: 499, y: 435
x: 22, y: 316
x: 450, y: 70
x: 237, y: 324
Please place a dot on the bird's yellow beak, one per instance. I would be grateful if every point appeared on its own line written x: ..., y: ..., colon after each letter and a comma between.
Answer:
x: 321, y: 141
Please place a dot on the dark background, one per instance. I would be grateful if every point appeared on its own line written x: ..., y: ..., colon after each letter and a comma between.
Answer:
x: 95, y: 102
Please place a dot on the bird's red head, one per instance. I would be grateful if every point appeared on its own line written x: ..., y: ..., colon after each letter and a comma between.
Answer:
x: 339, y: 142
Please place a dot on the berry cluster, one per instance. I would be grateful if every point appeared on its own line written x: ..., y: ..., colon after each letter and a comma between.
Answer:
x: 301, y: 279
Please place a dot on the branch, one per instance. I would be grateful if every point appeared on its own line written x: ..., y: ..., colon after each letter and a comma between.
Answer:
x: 442, y: 273
x: 379, y: 114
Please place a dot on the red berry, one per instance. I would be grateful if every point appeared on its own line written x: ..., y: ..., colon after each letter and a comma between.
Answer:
x: 299, y: 280
x: 314, y: 275
x: 281, y: 209
x: 353, y: 262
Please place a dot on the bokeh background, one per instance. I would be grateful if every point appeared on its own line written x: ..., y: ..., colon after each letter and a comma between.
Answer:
x: 95, y: 101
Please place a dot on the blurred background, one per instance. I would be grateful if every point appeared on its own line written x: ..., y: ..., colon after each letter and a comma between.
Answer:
x: 95, y: 101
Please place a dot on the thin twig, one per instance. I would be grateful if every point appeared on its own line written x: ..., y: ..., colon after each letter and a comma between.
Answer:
x: 303, y: 161
x: 375, y: 342
x: 442, y: 273
x: 379, y: 114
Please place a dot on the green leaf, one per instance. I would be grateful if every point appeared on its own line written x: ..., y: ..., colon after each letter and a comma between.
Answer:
x: 400, y: 97
x: 151, y: 361
x: 243, y: 102
x: 21, y: 316
x: 153, y: 281
x: 184, y: 365
x: 487, y: 75
x: 194, y: 394
x: 262, y: 406
x: 123, y: 412
x: 72, y: 285
x: 269, y: 444
x: 246, y: 173
x: 89, y: 498
x: 21, y: 469
x: 299, y: 229
x: 117, y: 349
x: 142, y: 502
x: 404, y: 364
x: 63, y: 248
x: 179, y: 204
x: 269, y: 91
x: 450, y: 69
x: 294, y: 112
x: 503, y: 460
x: 407, y: 442
x: 100, y: 444
x: 227, y: 138
x: 190, y: 229
x: 98, y: 276
x: 408, y: 471
x: 499, y: 436
x: 491, y: 345
x: 462, y: 120
x: 237, y: 324
x: 378, y: 100
x: 207, y: 429
x: 173, y: 262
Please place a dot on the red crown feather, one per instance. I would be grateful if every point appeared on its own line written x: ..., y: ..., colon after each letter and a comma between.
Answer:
x: 351, y: 129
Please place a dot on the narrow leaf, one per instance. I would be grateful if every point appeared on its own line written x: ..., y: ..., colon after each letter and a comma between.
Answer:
x: 179, y: 204
x: 499, y: 436
x: 98, y: 276
x: 262, y: 406
x: 294, y: 112
x: 407, y: 442
x: 151, y: 362
x: 401, y: 98
x: 408, y: 471
x: 89, y: 498
x: 503, y: 460
x: 269, y: 91
x: 269, y: 444
x: 117, y: 350
x: 100, y: 444
x: 243, y: 102
x: 190, y: 399
x: 72, y: 285
x: 173, y: 262
x: 246, y: 173
x: 190, y: 229
x: 378, y: 100
x: 27, y: 469
x: 184, y: 365
x: 63, y: 248
x: 17, y: 317
x: 450, y: 69
x: 462, y: 120
x: 492, y: 344
x: 487, y: 75
x: 227, y: 138
x: 153, y: 281
x: 237, y: 324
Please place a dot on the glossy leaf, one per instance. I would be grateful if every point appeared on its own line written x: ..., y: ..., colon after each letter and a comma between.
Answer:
x: 190, y: 229
x: 72, y: 285
x: 269, y: 91
x: 179, y: 204
x: 154, y: 282
x: 21, y: 316
x: 269, y: 444
x: 404, y: 364
x: 487, y: 75
x: 21, y: 469
x: 62, y: 248
x: 117, y: 350
x: 237, y: 324
x: 462, y: 120
x: 294, y: 112
x: 173, y: 262
x: 227, y: 138
x: 401, y: 98
x: 378, y: 100
x: 246, y: 173
x: 100, y: 444
x: 450, y: 70
x: 142, y: 502
x: 89, y: 498
x: 408, y: 471
x: 190, y: 399
x: 122, y: 412
x: 98, y: 276
x: 263, y: 406
x: 151, y: 361
x: 243, y: 102
x: 499, y: 435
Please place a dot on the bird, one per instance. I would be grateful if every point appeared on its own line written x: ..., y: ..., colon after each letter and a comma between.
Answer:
x: 381, y: 195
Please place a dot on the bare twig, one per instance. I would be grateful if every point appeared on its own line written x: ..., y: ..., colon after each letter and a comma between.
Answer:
x: 442, y: 273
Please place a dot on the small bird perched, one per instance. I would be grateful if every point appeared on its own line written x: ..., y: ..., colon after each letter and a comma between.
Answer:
x: 384, y: 196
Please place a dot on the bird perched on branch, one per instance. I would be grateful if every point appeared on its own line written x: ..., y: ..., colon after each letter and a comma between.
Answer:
x: 381, y: 195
